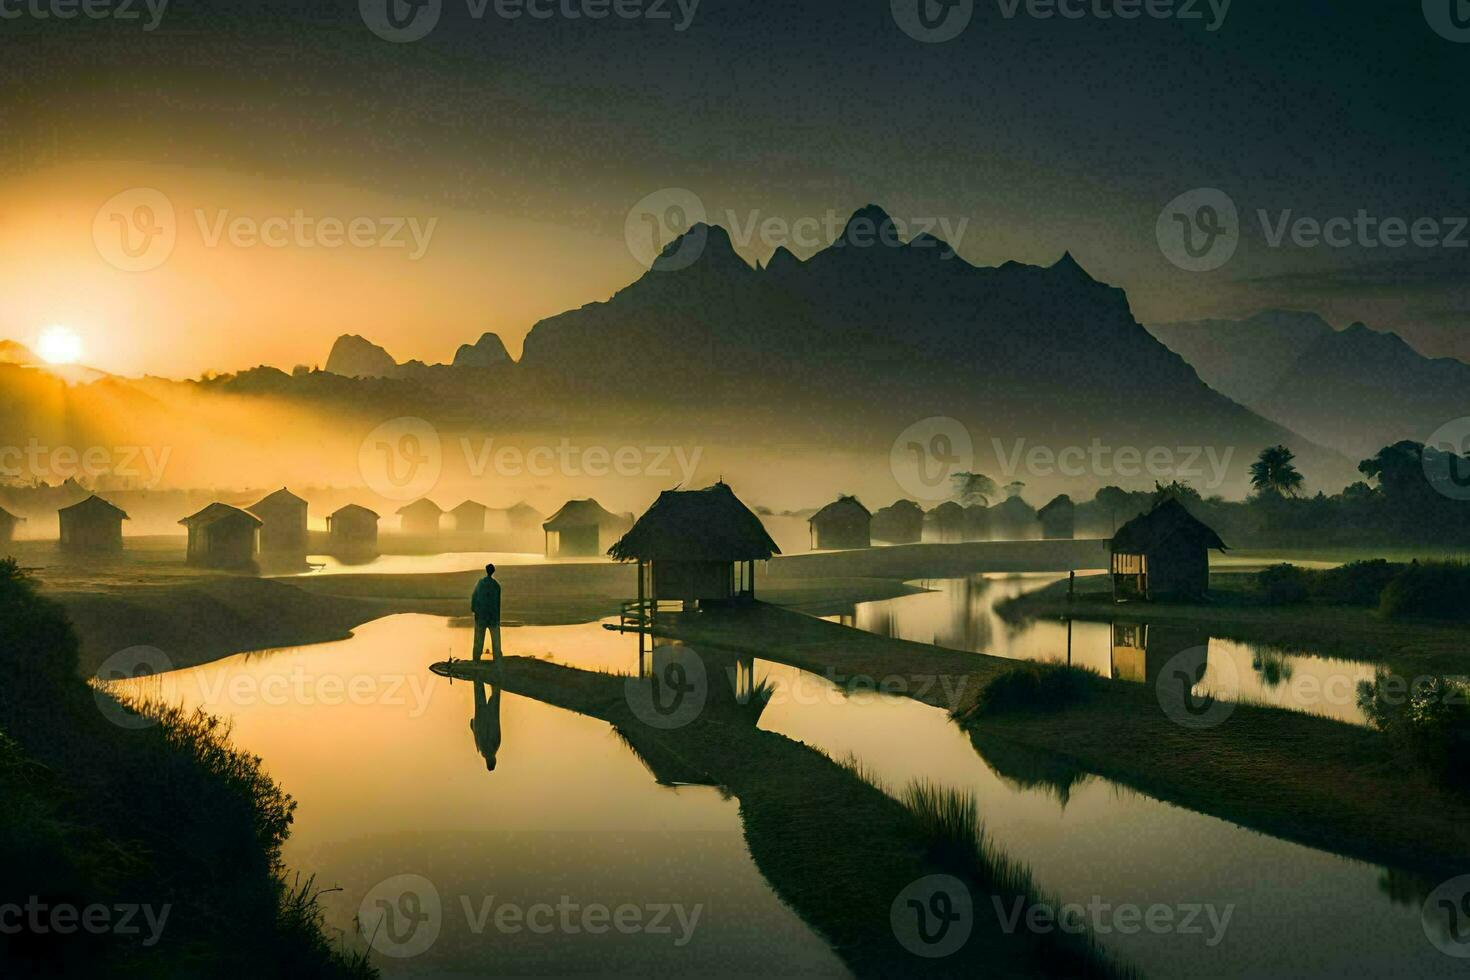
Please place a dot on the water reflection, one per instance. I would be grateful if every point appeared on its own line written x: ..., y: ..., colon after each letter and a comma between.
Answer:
x: 485, y: 725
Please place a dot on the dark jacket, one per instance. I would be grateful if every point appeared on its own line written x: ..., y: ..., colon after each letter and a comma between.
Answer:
x: 485, y: 603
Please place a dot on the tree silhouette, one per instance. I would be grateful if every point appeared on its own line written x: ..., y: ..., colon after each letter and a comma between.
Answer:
x: 973, y: 488
x: 1274, y: 472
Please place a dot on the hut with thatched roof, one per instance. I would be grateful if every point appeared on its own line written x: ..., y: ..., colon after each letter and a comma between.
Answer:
x: 8, y: 522
x: 468, y: 518
x: 977, y: 523
x: 420, y: 517
x: 1164, y: 554
x: 221, y: 536
x: 1012, y: 520
x: 945, y: 523
x: 901, y: 522
x: 1058, y: 518
x: 282, y: 523
x: 844, y: 523
x: 696, y: 547
x: 582, y: 529
x: 353, y: 530
x: 92, y: 525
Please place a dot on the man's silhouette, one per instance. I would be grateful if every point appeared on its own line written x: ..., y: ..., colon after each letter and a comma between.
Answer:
x: 486, y: 724
x: 485, y: 604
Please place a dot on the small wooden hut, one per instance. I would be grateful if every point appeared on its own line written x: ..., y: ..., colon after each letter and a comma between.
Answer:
x: 283, y: 523
x: 1058, y: 518
x: 582, y: 529
x: 8, y: 521
x: 1012, y: 520
x: 901, y: 522
x: 93, y: 525
x: 522, y: 516
x: 352, y: 530
x: 468, y: 518
x: 1164, y: 554
x: 221, y: 536
x: 844, y: 523
x: 696, y: 547
x: 977, y: 523
x: 945, y: 523
x: 420, y: 517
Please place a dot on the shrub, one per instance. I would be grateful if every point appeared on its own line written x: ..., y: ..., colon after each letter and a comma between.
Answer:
x: 1036, y: 687
x: 1430, y: 722
x: 1282, y: 584
x: 1436, y: 590
x: 36, y: 640
x: 1358, y: 583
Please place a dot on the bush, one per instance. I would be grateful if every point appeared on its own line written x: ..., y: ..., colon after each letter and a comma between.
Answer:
x: 1430, y: 722
x: 1036, y: 687
x: 1436, y: 590
x: 1282, y: 584
x: 36, y: 640
x: 1358, y: 583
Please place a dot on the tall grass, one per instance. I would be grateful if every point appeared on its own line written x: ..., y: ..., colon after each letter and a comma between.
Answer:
x: 1035, y: 687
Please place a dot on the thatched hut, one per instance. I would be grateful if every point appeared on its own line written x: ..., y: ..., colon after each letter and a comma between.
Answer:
x: 353, y: 530
x: 93, y: 525
x: 582, y: 529
x: 522, y: 516
x: 468, y: 518
x: 8, y: 521
x: 1163, y: 554
x: 1058, y: 518
x: 1012, y: 520
x: 977, y: 523
x: 283, y: 523
x: 420, y: 517
x: 945, y: 523
x: 844, y: 523
x: 221, y: 536
x: 696, y: 546
x: 901, y: 522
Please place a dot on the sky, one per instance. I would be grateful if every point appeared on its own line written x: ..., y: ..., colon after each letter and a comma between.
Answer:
x: 204, y: 185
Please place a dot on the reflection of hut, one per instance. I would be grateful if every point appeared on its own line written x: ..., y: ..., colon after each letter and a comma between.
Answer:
x: 92, y: 525
x: 945, y: 522
x: 1130, y: 652
x: 468, y: 517
x: 420, y: 517
x: 8, y: 521
x: 901, y: 522
x: 221, y: 536
x: 1147, y: 654
x: 1012, y: 520
x: 1163, y: 554
x: 581, y: 529
x: 695, y: 546
x: 844, y: 523
x: 283, y: 523
x: 977, y: 523
x: 352, y: 530
x: 1058, y: 518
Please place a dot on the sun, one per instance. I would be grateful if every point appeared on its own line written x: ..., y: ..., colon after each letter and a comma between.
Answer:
x: 59, y: 345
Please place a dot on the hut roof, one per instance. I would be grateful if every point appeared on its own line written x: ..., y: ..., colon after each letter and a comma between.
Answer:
x: 843, y: 508
x: 948, y: 511
x: 1060, y: 502
x: 95, y: 505
x: 272, y: 501
x: 696, y: 525
x: 581, y: 513
x: 899, y: 506
x: 218, y: 512
x: 522, y: 507
x: 6, y: 515
x: 421, y: 506
x: 1166, y: 520
x: 1014, y: 507
x: 354, y: 509
x: 469, y: 507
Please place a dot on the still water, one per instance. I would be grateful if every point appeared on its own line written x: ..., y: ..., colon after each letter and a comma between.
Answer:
x: 960, y: 613
x: 392, y: 780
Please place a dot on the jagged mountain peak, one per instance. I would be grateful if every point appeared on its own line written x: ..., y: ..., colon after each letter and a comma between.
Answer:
x: 704, y: 246
x: 869, y: 225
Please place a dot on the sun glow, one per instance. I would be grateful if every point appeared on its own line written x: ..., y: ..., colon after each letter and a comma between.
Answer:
x: 59, y: 345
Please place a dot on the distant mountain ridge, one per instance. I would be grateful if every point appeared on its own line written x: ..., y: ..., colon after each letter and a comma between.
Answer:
x: 1355, y: 390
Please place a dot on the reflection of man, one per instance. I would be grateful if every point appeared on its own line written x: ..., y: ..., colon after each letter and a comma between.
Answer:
x: 485, y: 604
x: 486, y: 724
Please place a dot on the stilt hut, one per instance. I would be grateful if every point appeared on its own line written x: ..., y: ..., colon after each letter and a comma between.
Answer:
x: 1058, y: 518
x: 420, y: 517
x: 353, y: 530
x: 582, y: 529
x: 698, y: 547
x: 1012, y: 520
x: 901, y: 522
x: 282, y: 523
x: 977, y: 523
x: 468, y: 518
x: 221, y: 536
x: 8, y: 521
x: 945, y: 523
x: 93, y: 525
x: 1164, y: 554
x: 844, y: 523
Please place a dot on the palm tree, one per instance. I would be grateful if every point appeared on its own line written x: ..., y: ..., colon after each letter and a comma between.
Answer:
x: 1273, y: 472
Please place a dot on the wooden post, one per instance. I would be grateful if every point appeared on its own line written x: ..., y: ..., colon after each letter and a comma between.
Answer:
x: 1071, y: 590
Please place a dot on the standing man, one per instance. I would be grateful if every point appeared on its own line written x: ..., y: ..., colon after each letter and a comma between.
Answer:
x: 485, y: 604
